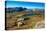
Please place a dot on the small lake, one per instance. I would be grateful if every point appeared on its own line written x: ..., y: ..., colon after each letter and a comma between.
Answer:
x: 29, y: 14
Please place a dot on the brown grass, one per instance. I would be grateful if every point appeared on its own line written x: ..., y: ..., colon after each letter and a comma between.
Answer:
x: 30, y: 23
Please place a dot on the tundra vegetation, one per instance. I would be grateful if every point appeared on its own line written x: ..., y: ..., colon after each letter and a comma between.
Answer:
x: 31, y: 18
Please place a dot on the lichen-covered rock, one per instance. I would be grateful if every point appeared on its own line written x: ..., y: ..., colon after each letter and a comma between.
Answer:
x: 40, y: 24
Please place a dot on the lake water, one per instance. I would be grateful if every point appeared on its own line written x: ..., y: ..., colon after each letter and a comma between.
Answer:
x: 29, y: 15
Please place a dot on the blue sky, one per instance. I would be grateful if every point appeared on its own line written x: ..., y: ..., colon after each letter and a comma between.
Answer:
x: 24, y: 4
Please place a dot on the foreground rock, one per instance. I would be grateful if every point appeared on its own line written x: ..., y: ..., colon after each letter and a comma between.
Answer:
x: 40, y: 24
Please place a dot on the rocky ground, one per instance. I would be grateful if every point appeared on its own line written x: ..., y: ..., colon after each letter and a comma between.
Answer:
x: 32, y: 22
